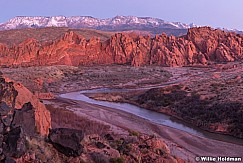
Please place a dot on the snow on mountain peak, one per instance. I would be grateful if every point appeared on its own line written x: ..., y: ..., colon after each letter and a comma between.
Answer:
x: 57, y: 21
x: 88, y: 21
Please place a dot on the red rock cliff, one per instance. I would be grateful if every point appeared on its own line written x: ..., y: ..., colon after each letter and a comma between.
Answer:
x: 200, y: 46
x: 33, y: 116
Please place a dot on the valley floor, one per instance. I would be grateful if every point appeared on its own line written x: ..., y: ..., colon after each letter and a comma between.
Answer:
x: 221, y: 83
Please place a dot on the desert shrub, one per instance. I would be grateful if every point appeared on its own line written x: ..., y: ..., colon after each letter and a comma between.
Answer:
x: 159, y: 97
x: 117, y: 160
x: 133, y: 133
x: 203, y: 113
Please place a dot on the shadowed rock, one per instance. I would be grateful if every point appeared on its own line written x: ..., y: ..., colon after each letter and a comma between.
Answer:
x: 100, y: 145
x: 14, y: 143
x: 25, y: 117
x: 67, y: 141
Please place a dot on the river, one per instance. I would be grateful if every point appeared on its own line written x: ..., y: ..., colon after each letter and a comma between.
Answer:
x: 152, y: 116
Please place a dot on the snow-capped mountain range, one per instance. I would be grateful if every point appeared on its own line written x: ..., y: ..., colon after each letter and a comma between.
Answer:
x: 116, y: 23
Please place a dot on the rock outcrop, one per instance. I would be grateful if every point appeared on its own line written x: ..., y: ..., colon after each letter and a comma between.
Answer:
x: 21, y: 114
x: 25, y: 100
x: 202, y: 45
x: 67, y: 141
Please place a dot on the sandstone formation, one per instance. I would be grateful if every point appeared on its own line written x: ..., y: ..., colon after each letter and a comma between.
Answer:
x: 42, y: 118
x: 21, y: 114
x: 200, y: 46
x: 44, y: 96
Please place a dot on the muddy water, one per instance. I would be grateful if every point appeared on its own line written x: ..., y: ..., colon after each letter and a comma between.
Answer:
x: 152, y: 116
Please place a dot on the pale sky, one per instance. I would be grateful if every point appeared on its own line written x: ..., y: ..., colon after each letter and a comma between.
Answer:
x: 215, y: 13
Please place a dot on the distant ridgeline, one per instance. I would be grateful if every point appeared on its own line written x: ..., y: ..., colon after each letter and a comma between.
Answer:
x: 118, y: 23
x: 200, y: 46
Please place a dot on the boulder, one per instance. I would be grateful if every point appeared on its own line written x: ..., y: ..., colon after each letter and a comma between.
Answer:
x: 67, y: 141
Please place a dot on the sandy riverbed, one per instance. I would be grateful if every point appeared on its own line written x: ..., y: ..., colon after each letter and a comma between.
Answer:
x: 181, y: 144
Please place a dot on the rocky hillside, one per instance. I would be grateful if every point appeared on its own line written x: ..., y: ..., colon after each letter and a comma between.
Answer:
x: 200, y: 46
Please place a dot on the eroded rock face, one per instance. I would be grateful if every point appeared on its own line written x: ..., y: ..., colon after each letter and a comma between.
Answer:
x: 67, y: 141
x: 42, y: 117
x: 200, y: 46
x: 25, y: 119
x: 21, y: 114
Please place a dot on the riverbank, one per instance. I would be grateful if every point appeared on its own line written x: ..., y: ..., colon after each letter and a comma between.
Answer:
x: 151, y: 115
x: 146, y: 99
x: 181, y: 144
x: 99, y: 121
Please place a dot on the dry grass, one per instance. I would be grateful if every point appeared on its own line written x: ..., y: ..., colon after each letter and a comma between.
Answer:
x: 62, y: 118
x: 43, y: 151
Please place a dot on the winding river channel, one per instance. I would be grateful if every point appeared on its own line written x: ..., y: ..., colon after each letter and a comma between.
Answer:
x: 152, y: 116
